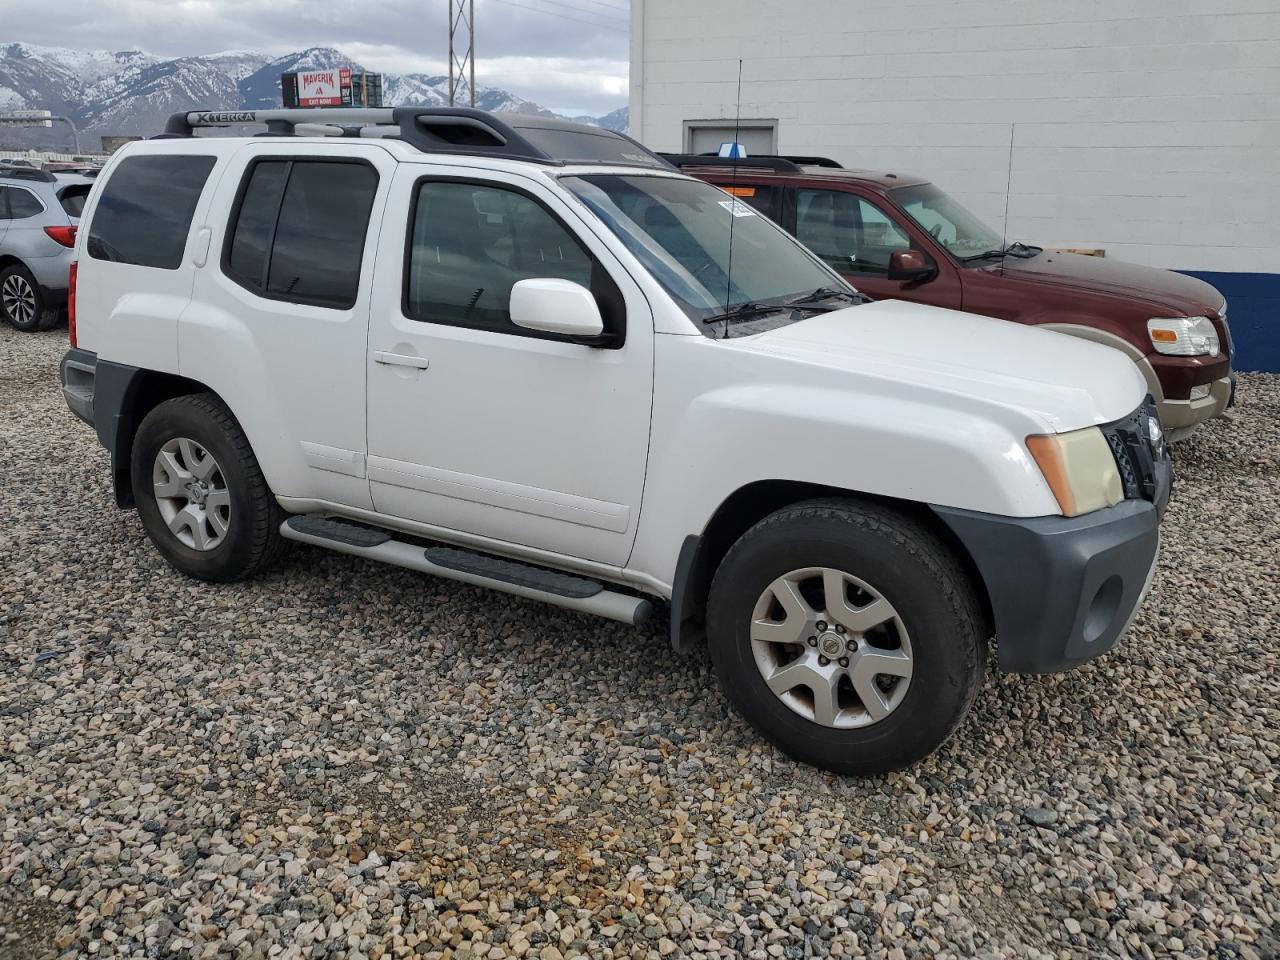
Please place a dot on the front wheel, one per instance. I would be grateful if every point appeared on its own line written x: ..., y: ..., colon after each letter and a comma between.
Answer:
x: 847, y: 634
x: 200, y: 492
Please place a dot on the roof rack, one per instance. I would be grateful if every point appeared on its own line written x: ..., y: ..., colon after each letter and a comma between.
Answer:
x: 812, y: 161
x: 26, y: 173
x: 780, y: 164
x: 786, y: 163
x: 451, y: 130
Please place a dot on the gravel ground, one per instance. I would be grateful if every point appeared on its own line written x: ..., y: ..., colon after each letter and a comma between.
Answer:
x: 346, y: 760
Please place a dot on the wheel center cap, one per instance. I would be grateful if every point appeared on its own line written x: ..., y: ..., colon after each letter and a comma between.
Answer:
x: 831, y: 645
x: 199, y: 492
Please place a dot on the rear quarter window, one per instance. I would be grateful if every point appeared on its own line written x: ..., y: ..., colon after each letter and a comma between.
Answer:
x: 144, y: 213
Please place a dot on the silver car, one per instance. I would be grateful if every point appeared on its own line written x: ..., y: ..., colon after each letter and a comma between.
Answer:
x: 39, y: 213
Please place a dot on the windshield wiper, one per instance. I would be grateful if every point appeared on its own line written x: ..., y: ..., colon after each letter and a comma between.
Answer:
x: 747, y: 310
x: 811, y: 300
x: 1016, y: 249
x: 1024, y: 250
x: 998, y: 252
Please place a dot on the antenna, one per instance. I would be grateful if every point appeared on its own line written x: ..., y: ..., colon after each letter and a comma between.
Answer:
x: 462, y: 18
x: 1008, y: 187
x: 733, y: 205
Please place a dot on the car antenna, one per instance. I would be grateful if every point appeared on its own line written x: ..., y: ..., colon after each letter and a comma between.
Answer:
x: 1008, y: 187
x: 734, y: 201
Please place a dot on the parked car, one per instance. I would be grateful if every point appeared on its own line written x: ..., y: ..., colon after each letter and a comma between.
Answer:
x: 66, y: 166
x: 517, y: 352
x: 39, y: 212
x: 897, y: 236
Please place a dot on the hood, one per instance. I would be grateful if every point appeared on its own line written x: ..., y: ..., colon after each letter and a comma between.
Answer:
x: 1067, y: 382
x: 1175, y: 293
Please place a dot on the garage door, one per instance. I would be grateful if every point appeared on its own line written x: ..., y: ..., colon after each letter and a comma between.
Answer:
x: 758, y: 137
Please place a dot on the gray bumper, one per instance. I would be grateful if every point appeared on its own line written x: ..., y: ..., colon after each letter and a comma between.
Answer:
x: 78, y: 372
x: 1063, y: 590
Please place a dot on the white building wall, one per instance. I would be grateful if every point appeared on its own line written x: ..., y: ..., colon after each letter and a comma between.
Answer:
x: 1150, y: 128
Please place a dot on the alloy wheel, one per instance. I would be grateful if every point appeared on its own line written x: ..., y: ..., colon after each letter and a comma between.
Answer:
x: 19, y: 299
x: 831, y: 648
x: 192, y: 494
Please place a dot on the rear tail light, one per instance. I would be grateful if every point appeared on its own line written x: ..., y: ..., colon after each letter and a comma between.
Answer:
x: 63, y: 235
x: 71, y: 302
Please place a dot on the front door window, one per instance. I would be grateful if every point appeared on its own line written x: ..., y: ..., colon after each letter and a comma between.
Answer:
x: 852, y: 235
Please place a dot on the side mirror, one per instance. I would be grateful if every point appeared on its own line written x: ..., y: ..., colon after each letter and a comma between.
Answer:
x: 910, y: 266
x: 553, y: 305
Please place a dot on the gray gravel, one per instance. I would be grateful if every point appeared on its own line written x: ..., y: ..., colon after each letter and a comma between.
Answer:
x: 343, y: 759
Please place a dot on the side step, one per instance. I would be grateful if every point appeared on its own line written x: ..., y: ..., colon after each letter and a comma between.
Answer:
x: 478, y: 569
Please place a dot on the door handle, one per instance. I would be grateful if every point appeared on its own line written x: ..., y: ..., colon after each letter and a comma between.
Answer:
x: 399, y: 359
x: 200, y: 250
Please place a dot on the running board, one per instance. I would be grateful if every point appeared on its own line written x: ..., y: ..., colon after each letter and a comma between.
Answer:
x: 477, y: 569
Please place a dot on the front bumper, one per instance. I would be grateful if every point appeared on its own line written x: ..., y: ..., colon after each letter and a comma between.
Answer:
x: 1062, y: 590
x: 1180, y: 416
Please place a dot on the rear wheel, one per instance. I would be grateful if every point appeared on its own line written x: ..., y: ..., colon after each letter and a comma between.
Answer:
x: 847, y: 634
x: 200, y: 492
x: 22, y: 303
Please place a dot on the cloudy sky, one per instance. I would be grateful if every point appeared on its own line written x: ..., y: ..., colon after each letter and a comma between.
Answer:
x: 569, y: 55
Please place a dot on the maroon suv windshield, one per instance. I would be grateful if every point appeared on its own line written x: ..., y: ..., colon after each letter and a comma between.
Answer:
x: 963, y: 234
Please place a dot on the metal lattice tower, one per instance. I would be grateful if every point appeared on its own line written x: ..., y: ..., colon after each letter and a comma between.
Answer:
x: 462, y: 59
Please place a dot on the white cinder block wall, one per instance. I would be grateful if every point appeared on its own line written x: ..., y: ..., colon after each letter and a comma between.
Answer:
x: 1150, y: 128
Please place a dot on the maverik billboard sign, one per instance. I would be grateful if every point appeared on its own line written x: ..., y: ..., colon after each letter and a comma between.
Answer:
x: 338, y: 87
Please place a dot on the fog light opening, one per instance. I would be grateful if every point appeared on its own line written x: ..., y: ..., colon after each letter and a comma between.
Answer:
x: 1103, y: 608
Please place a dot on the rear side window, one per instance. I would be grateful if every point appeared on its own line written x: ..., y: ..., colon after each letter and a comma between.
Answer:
x: 144, y: 213
x: 72, y: 199
x: 23, y: 204
x: 298, y: 230
x: 763, y: 198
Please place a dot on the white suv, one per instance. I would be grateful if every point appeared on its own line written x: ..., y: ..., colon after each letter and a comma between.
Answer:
x: 530, y: 355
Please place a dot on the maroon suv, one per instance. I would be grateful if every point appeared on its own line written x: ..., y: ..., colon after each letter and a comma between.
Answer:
x: 897, y: 236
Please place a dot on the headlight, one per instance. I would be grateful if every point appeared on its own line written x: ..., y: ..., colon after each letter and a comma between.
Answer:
x: 1183, y: 336
x: 1079, y: 468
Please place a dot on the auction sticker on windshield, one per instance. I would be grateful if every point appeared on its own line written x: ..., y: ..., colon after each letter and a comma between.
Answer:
x: 737, y: 208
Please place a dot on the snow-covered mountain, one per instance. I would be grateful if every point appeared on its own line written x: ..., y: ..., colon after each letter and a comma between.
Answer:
x: 131, y: 92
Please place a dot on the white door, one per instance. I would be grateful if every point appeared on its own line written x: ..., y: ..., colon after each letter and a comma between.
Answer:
x: 478, y: 426
x: 279, y: 322
x: 135, y: 254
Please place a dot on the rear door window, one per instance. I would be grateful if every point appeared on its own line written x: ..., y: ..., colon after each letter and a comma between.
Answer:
x: 23, y: 204
x: 298, y: 231
x: 144, y: 213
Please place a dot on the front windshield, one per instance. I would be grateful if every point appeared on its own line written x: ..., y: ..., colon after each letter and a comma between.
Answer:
x: 963, y: 234
x: 680, y: 230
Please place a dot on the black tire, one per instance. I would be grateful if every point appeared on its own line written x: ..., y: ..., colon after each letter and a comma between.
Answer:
x: 29, y: 313
x: 911, y: 568
x: 252, y: 540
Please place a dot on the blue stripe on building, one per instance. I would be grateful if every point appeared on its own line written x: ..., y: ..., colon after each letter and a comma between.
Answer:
x: 1253, y: 310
